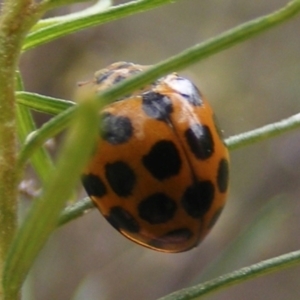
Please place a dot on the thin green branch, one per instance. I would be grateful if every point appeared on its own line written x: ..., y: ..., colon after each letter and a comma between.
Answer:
x: 44, y: 104
x: 183, y: 59
x: 76, y: 210
x: 263, y: 133
x: 267, y: 221
x: 265, y: 267
x: 70, y: 25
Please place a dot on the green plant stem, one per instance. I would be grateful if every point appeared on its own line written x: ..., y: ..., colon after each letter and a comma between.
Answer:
x: 76, y: 210
x: 263, y: 133
x: 15, y: 21
x: 230, y: 279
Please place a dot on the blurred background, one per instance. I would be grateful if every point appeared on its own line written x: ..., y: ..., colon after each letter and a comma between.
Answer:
x: 249, y: 85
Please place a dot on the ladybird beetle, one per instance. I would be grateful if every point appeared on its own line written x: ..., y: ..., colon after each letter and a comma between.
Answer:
x: 159, y: 173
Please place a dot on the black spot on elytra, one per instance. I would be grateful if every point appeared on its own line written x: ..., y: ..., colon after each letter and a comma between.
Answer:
x: 157, y: 106
x: 189, y: 91
x: 115, y: 129
x: 163, y: 160
x: 197, y: 198
x: 223, y: 175
x: 177, y: 236
x: 120, y: 177
x: 93, y: 185
x: 215, y: 218
x: 157, y: 208
x: 119, y: 218
x: 200, y: 141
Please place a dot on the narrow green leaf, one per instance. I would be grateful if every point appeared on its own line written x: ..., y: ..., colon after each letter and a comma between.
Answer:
x: 265, y: 267
x: 41, y: 161
x: 248, y: 242
x: 82, y: 21
x: 42, y: 103
x: 39, y: 137
x: 76, y: 210
x: 98, y: 7
x: 43, y: 216
x: 263, y: 133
